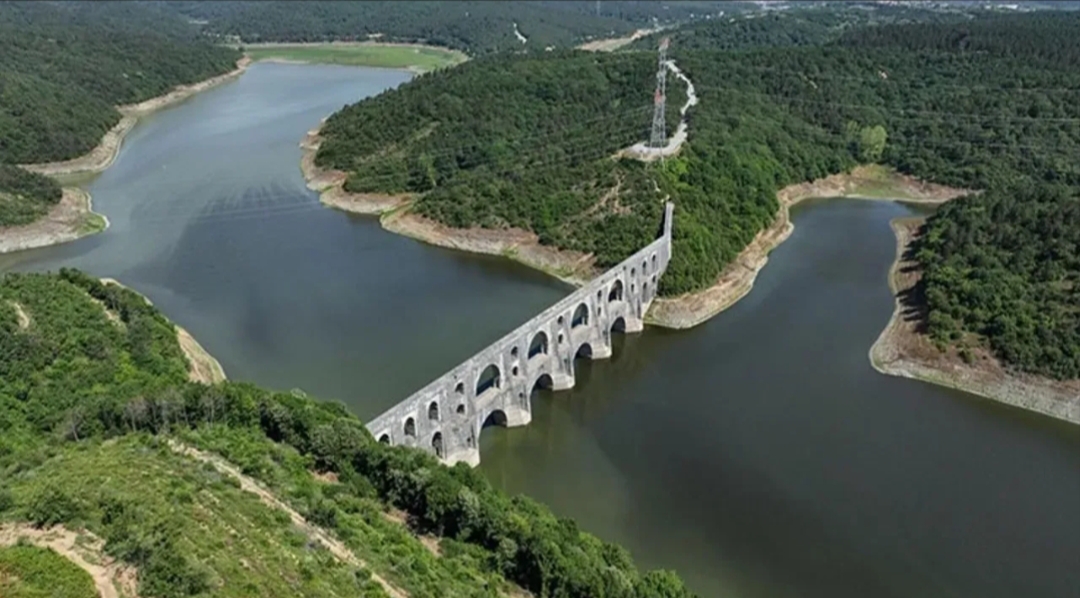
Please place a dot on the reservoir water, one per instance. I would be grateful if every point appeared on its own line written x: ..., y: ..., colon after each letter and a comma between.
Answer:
x: 759, y: 455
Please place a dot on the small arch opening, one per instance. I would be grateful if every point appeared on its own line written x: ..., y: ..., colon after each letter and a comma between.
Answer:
x: 654, y: 262
x: 645, y: 268
x: 633, y: 272
x: 437, y: 444
x: 560, y: 320
x: 616, y: 293
x: 514, y: 352
x: 560, y: 338
x: 584, y: 351
x: 581, y: 316
x: 433, y: 411
x: 539, y: 344
x: 460, y: 388
x: 460, y: 409
x: 385, y: 439
x: 488, y: 379
x: 410, y: 427
x: 645, y: 291
x: 599, y: 294
x: 514, y: 371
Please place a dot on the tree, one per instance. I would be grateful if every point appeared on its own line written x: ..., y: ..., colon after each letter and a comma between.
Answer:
x: 872, y: 143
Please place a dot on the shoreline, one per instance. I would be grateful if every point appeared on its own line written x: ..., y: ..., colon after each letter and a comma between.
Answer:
x: 72, y: 218
x: 202, y: 366
x: 902, y: 350
x: 872, y: 183
x: 457, y: 56
x: 394, y: 214
x: 104, y: 154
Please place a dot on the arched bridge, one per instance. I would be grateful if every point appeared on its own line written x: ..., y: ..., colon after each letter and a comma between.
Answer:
x: 445, y: 417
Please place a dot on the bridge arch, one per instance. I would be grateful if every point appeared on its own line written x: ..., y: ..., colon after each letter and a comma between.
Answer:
x: 616, y: 293
x: 584, y: 350
x: 619, y: 325
x: 539, y: 345
x: 542, y: 382
x: 497, y: 417
x: 385, y: 439
x: 581, y: 316
x: 437, y: 445
x: 489, y: 378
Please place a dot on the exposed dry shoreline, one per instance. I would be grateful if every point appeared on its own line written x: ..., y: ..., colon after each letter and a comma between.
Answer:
x: 395, y: 216
x: 864, y: 182
x: 903, y: 350
x: 102, y: 156
x: 73, y: 217
x: 202, y: 366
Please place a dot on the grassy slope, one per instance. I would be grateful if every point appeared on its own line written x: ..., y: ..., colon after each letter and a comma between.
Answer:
x: 240, y: 545
x: 387, y: 56
x: 32, y: 572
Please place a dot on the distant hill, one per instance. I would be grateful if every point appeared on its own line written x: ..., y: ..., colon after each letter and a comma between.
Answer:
x: 475, y: 27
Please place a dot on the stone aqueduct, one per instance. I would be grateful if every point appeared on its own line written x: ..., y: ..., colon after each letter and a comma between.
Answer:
x: 445, y: 417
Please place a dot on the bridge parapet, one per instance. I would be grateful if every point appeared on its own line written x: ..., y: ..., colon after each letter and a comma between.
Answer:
x: 445, y: 417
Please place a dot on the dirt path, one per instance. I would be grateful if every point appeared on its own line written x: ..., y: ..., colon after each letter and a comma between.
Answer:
x: 641, y: 151
x: 614, y: 43
x: 338, y: 549
x: 112, y: 579
x: 21, y: 315
x: 73, y: 217
x: 737, y: 279
x: 102, y: 156
x: 903, y: 349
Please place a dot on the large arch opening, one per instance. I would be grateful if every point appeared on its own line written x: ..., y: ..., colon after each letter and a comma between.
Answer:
x: 490, y: 378
x: 616, y: 293
x: 542, y: 382
x: 619, y: 325
x: 410, y: 427
x: 437, y: 444
x: 581, y: 316
x: 433, y: 411
x: 539, y: 344
x: 584, y: 351
x: 495, y: 418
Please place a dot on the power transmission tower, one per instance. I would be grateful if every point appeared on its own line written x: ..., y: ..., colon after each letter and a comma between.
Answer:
x: 659, y: 130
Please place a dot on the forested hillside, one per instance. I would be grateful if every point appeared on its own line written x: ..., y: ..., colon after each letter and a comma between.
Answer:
x: 82, y: 363
x: 63, y: 68
x: 979, y: 104
x: 814, y: 25
x: 475, y: 27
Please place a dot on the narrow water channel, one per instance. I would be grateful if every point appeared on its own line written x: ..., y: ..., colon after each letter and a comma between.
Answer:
x: 759, y: 454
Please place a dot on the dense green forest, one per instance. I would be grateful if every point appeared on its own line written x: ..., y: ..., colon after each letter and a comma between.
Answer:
x: 981, y: 103
x: 82, y: 362
x: 64, y: 66
x: 475, y: 27
x: 805, y: 27
x: 1006, y: 266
